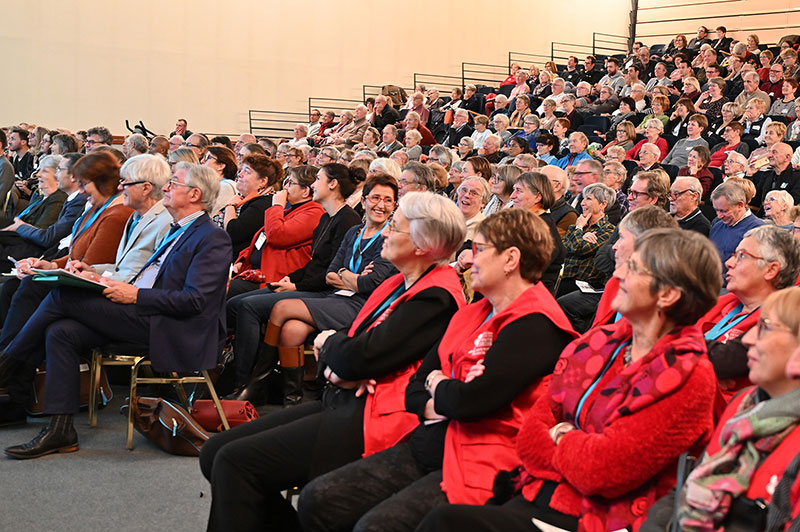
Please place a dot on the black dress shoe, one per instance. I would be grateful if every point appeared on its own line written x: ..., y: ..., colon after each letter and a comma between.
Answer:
x: 58, y: 437
x: 11, y: 413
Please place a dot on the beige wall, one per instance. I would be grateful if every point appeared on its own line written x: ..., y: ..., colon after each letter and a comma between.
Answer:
x: 77, y: 64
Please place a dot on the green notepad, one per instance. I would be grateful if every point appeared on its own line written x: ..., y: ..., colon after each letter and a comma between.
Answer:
x: 63, y: 278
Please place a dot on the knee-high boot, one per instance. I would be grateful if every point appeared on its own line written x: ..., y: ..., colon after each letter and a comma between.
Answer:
x: 291, y: 358
x: 255, y: 390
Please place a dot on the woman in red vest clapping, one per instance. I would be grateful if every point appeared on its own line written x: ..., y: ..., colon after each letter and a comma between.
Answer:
x: 470, y: 395
x: 625, y: 400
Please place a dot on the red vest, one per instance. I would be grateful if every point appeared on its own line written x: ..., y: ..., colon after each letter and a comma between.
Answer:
x: 728, y: 388
x: 386, y: 421
x: 476, y: 450
x: 767, y: 475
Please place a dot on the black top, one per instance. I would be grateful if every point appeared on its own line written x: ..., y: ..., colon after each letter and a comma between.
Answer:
x: 388, y: 116
x: 327, y: 238
x: 696, y: 221
x: 510, y: 368
x: 250, y: 220
x: 550, y: 274
x: 405, y: 336
x: 788, y: 180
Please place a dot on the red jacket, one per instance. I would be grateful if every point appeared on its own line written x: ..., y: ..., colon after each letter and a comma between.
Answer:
x: 632, y: 461
x: 288, y: 245
x: 475, y: 451
x: 386, y: 421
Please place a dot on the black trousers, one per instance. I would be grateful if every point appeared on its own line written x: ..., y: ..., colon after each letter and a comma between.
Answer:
x: 385, y: 492
x: 514, y: 516
x: 66, y: 325
x: 249, y: 465
x: 580, y: 308
x: 23, y: 303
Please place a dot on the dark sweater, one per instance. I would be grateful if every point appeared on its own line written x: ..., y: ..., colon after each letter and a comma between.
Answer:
x: 695, y: 221
x: 327, y: 238
x: 250, y: 220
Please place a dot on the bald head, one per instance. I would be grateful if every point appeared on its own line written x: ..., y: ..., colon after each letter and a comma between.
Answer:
x: 175, y: 142
x: 558, y: 178
x: 159, y: 145
x: 780, y: 156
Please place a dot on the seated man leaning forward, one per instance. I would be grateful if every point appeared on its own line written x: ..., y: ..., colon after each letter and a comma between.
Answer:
x: 174, y: 305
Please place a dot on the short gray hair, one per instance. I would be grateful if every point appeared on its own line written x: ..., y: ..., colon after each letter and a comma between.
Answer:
x: 732, y: 192
x: 648, y: 217
x: 423, y: 175
x: 151, y: 168
x: 50, y: 161
x: 776, y: 244
x: 651, y: 146
x: 487, y: 192
x: 694, y: 186
x: 783, y: 196
x: 387, y: 166
x: 206, y: 180
x: 436, y: 224
x: 601, y: 192
x: 183, y: 155
x: 658, y: 124
x: 138, y: 142
x: 737, y: 157
x: 442, y: 154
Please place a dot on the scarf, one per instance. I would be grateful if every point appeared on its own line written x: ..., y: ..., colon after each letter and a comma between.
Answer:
x: 751, y: 434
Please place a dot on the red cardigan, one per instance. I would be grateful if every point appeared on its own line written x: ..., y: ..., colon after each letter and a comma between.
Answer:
x: 633, y: 153
x: 288, y: 245
x: 632, y: 461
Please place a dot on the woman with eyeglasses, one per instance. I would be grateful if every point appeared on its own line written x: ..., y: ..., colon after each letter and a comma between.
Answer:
x: 257, y: 180
x: 756, y: 438
x: 355, y: 271
x: 469, y: 396
x: 777, y: 207
x: 249, y: 311
x: 367, y: 368
x: 624, y: 401
x: 765, y: 261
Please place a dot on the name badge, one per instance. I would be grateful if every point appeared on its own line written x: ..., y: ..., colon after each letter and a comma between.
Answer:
x: 784, y: 185
x: 784, y: 111
x: 262, y: 238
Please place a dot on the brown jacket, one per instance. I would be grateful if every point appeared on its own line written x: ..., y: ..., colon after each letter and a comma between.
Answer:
x: 99, y: 243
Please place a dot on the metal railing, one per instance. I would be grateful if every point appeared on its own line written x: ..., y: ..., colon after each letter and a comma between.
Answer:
x: 333, y: 104
x: 610, y: 44
x: 372, y: 91
x: 526, y: 58
x: 443, y: 82
x: 274, y: 123
x: 483, y: 74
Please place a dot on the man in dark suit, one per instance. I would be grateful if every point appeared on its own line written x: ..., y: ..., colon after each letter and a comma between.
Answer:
x: 459, y: 129
x: 174, y: 305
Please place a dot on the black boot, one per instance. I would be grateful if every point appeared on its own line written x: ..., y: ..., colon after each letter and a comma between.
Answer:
x: 11, y: 412
x: 292, y: 371
x: 256, y: 389
x: 58, y: 437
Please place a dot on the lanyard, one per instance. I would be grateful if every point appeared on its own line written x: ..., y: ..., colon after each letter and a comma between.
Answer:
x: 78, y: 229
x: 389, y: 300
x: 31, y: 206
x: 617, y: 317
x: 357, y: 253
x: 164, y: 243
x: 600, y: 376
x: 726, y: 323
x: 135, y: 220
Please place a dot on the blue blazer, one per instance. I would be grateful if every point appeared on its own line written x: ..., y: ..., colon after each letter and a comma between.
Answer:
x: 186, y: 305
x: 50, y: 236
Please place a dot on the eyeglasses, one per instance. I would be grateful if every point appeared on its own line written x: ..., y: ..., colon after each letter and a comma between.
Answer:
x: 126, y: 184
x: 209, y: 157
x: 478, y: 247
x: 795, y: 229
x: 190, y: 145
x: 740, y: 254
x: 393, y: 228
x: 634, y: 194
x: 635, y: 268
x: 676, y: 194
x: 766, y: 325
x: 175, y: 183
x: 374, y: 199
x: 288, y: 182
x: 91, y: 142
x: 469, y: 192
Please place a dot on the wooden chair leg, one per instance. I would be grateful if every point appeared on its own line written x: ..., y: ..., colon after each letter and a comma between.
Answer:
x: 216, y: 400
x: 94, y: 387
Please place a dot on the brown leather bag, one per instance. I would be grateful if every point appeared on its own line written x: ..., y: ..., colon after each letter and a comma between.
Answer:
x: 36, y: 405
x: 168, y: 425
x: 237, y: 413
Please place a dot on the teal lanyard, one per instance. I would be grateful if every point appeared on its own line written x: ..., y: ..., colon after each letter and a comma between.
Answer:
x: 134, y: 221
x: 78, y: 229
x: 31, y: 206
x: 166, y: 241
x: 389, y: 300
x: 617, y: 317
x: 594, y: 384
x: 355, y: 259
x: 726, y: 323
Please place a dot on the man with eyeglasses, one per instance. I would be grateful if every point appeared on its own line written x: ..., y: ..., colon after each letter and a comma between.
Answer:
x: 733, y: 220
x: 416, y: 177
x: 98, y: 136
x: 174, y: 305
x: 684, y: 205
x: 774, y: 85
x: 198, y: 143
